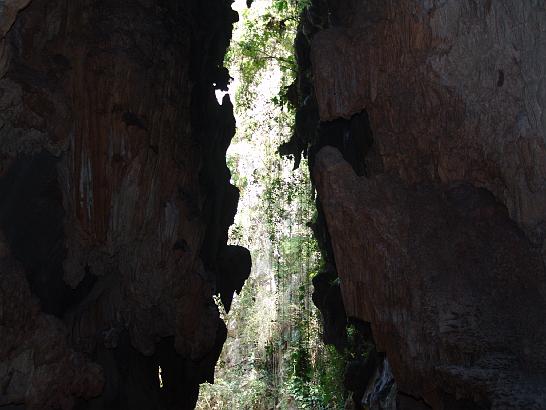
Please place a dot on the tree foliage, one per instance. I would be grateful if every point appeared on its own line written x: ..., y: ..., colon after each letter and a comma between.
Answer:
x: 274, y: 356
x: 266, y: 40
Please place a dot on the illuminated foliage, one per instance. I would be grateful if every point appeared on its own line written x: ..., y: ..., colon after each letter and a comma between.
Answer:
x: 274, y: 356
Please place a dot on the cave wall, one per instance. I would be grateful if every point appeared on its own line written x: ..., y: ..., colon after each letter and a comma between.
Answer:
x: 434, y: 209
x: 115, y: 201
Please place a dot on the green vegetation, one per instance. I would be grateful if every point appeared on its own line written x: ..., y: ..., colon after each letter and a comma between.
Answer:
x: 274, y: 356
x: 264, y: 38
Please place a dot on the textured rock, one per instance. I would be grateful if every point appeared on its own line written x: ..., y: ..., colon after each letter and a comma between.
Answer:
x: 454, y: 290
x: 439, y: 242
x: 8, y: 12
x: 455, y: 90
x: 38, y: 367
x: 115, y: 200
x: 327, y: 298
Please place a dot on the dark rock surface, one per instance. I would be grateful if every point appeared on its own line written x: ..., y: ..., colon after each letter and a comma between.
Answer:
x: 453, y: 289
x: 114, y: 201
x: 432, y: 209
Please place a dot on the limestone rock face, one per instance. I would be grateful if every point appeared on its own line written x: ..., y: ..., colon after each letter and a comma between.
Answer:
x: 455, y: 90
x: 38, y: 367
x: 439, y: 242
x: 453, y: 289
x: 114, y: 201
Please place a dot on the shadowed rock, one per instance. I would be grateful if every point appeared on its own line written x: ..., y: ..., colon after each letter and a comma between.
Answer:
x: 454, y: 291
x: 115, y: 201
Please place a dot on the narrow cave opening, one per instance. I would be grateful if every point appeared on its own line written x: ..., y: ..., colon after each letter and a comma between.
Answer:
x: 275, y: 355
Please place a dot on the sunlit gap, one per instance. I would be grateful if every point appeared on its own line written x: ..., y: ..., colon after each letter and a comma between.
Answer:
x: 160, y: 377
x: 273, y: 356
